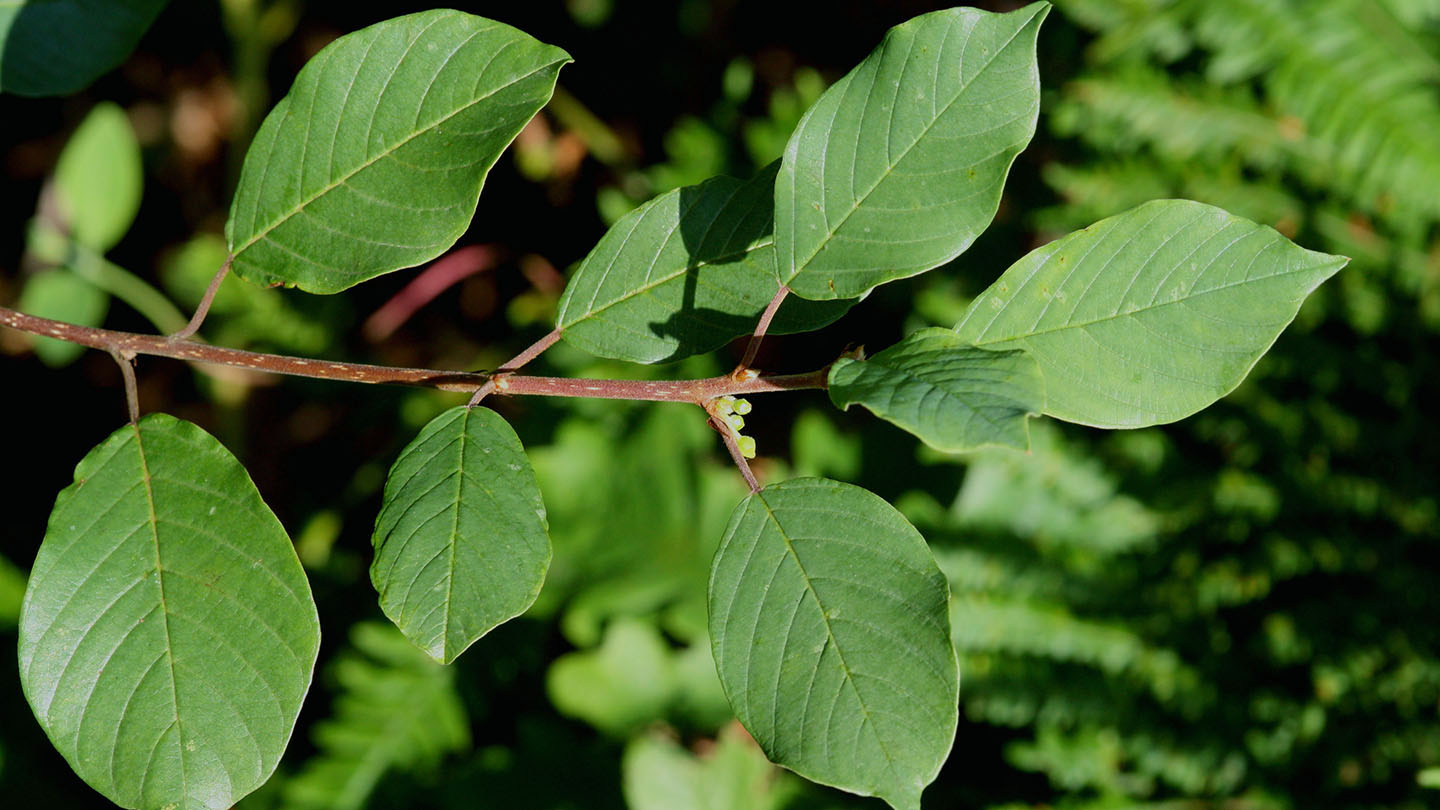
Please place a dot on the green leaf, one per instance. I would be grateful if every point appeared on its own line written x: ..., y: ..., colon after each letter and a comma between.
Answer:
x: 395, y: 710
x: 683, y: 274
x: 57, y: 47
x: 953, y: 396
x: 461, y: 543
x: 98, y: 178
x: 168, y: 633
x: 375, y: 160
x: 660, y: 774
x: 627, y: 682
x: 899, y: 165
x: 1150, y: 315
x: 12, y: 592
x: 63, y: 296
x: 832, y: 639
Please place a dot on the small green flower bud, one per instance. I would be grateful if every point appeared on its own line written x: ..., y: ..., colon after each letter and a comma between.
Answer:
x: 747, y: 446
x: 735, y: 421
x: 725, y: 405
x: 742, y: 406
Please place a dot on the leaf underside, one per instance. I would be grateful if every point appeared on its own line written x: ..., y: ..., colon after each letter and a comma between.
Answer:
x: 168, y: 633
x: 57, y: 47
x: 899, y: 166
x: 684, y: 274
x: 951, y: 395
x: 1150, y: 315
x: 375, y: 160
x: 831, y: 636
x: 461, y: 544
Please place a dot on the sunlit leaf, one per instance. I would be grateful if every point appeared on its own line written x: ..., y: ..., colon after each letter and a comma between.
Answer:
x: 461, y: 543
x: 375, y: 160
x: 1148, y: 316
x: 953, y: 396
x: 831, y: 634
x: 168, y: 634
x: 56, y: 47
x: 683, y: 274
x: 899, y: 165
x: 98, y: 178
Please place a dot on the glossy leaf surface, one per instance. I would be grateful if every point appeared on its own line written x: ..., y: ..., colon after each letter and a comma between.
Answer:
x: 168, y: 633
x: 1150, y: 315
x: 684, y: 274
x: 56, y: 47
x: 831, y: 634
x: 899, y: 165
x: 375, y: 160
x: 953, y: 396
x: 461, y: 542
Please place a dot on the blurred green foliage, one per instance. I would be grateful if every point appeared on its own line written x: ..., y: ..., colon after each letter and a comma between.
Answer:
x: 1238, y: 611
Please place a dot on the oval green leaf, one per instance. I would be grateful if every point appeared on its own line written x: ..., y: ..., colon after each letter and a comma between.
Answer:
x: 57, y: 47
x: 1150, y: 315
x: 375, y: 160
x: 168, y: 633
x: 683, y: 274
x: 98, y: 178
x: 831, y: 635
x: 63, y: 296
x: 461, y: 544
x: 951, y: 395
x: 899, y: 165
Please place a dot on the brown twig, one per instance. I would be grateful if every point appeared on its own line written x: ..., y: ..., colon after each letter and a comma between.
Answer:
x: 733, y: 446
x: 753, y: 347
x: 132, y: 344
x: 535, y: 350
x: 132, y: 391
x: 205, y: 301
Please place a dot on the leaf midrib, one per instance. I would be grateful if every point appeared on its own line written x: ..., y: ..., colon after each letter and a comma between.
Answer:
x: 1147, y: 308
x: 288, y: 215
x: 454, y: 534
x: 164, y: 609
x: 830, y: 635
x: 797, y: 269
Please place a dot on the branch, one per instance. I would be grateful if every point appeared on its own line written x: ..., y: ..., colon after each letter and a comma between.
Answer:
x: 536, y: 349
x: 205, y: 301
x: 736, y: 453
x: 130, y: 344
x: 753, y: 347
x: 132, y: 391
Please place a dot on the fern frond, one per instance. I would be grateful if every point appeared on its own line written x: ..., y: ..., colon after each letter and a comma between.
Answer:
x: 396, y: 710
x: 1347, y: 101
